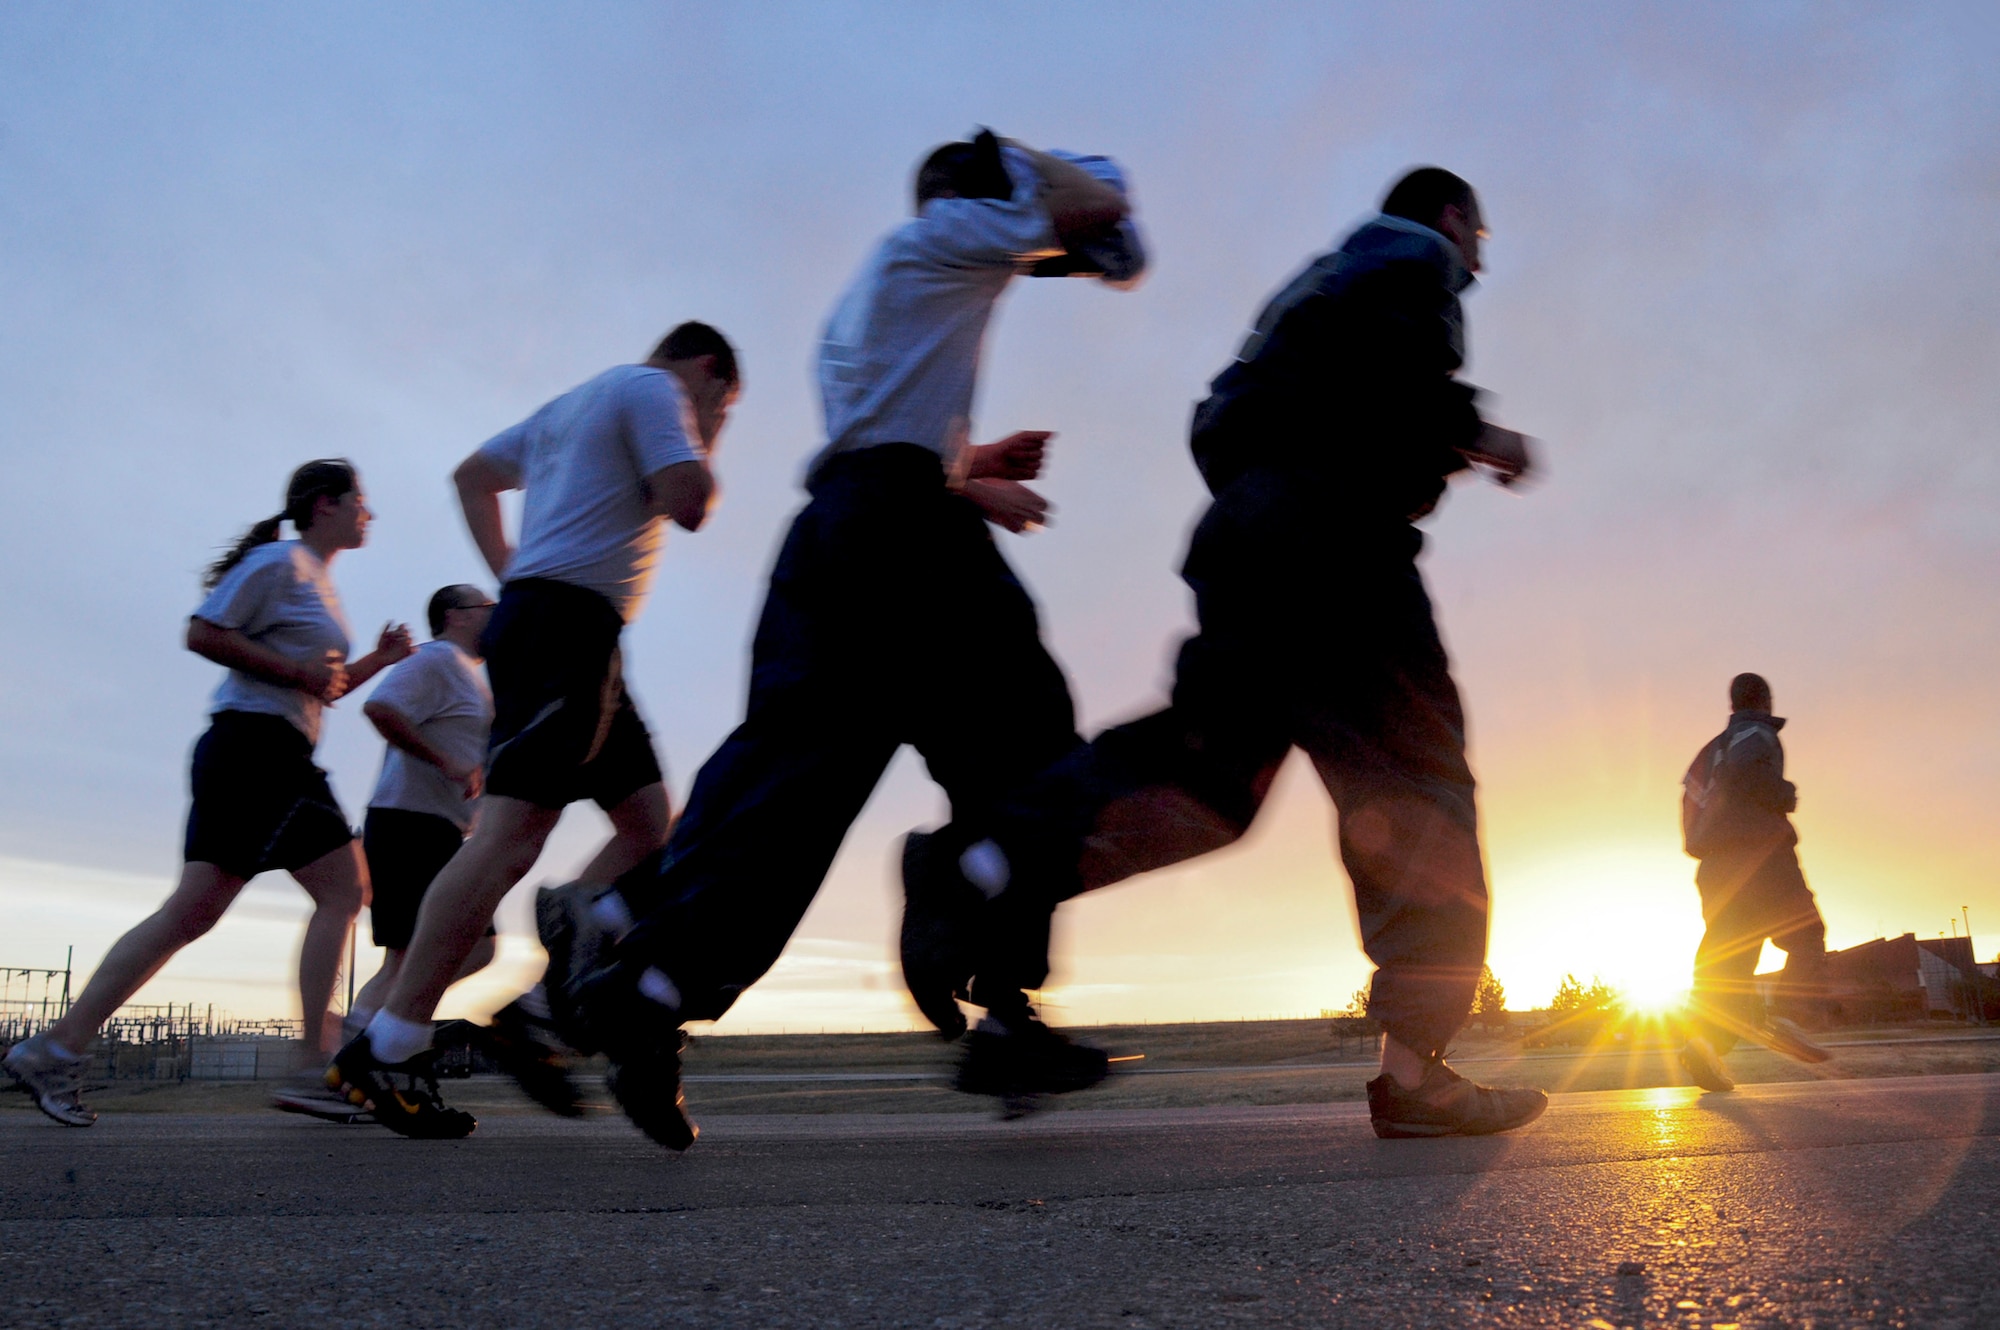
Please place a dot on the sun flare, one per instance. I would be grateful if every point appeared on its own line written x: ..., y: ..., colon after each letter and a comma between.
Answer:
x: 1623, y: 913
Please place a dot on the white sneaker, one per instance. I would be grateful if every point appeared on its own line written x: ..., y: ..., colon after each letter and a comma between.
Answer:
x: 55, y: 1081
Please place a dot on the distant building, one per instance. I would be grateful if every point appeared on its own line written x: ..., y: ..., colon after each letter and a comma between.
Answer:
x: 1905, y: 978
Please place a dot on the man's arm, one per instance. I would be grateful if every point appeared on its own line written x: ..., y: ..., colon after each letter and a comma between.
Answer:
x: 1077, y: 202
x: 684, y: 493
x: 480, y: 482
x: 397, y: 728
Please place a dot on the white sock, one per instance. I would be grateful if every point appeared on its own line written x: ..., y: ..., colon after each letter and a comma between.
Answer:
x: 985, y: 866
x: 657, y: 987
x: 60, y: 1051
x: 358, y: 1018
x: 393, y: 1039
x: 611, y: 913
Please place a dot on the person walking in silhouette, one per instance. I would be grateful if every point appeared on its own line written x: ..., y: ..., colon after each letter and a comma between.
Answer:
x: 1735, y: 819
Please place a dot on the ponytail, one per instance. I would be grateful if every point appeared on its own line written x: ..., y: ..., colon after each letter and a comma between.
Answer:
x: 329, y: 478
x: 263, y: 533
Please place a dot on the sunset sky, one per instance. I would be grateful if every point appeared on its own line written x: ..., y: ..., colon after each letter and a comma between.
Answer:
x: 1744, y: 280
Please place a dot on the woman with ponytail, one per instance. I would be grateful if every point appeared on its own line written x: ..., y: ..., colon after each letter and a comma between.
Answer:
x: 273, y: 618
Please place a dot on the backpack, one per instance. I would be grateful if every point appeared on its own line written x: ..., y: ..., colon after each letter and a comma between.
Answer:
x: 1704, y: 802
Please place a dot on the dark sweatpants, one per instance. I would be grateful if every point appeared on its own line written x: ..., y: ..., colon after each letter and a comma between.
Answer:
x: 1315, y: 632
x: 1745, y: 899
x: 891, y: 619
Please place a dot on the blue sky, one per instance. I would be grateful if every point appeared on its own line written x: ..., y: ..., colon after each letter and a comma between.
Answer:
x: 1743, y: 280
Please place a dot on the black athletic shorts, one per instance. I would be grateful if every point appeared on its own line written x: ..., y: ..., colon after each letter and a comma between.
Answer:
x: 259, y: 802
x: 564, y: 728
x: 405, y: 851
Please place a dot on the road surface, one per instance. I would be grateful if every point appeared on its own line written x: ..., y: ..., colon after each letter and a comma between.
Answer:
x: 1821, y: 1204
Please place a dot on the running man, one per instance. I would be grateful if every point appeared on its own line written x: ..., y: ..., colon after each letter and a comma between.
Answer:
x: 273, y: 619
x: 1337, y: 427
x: 1735, y: 816
x: 605, y: 466
x: 891, y: 619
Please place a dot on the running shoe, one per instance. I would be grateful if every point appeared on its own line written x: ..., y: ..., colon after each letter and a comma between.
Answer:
x: 577, y: 944
x: 646, y: 1082
x: 308, y: 1093
x: 1017, y: 1057
x: 403, y: 1095
x: 528, y: 1048
x: 1446, y: 1104
x: 939, y: 906
x: 55, y: 1081
x: 1781, y: 1036
x: 1703, y: 1066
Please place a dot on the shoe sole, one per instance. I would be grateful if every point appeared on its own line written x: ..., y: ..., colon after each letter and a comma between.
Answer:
x: 344, y: 1114
x: 53, y: 1115
x: 527, y: 1061
x: 677, y: 1133
x: 1713, y: 1083
x: 1785, y: 1046
x: 1390, y: 1130
x: 358, y: 1096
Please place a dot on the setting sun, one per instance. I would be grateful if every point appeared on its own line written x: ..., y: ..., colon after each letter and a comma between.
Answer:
x: 1623, y: 912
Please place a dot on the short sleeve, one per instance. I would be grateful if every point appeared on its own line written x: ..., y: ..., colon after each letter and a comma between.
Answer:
x: 656, y: 418
x: 412, y: 689
x: 245, y: 592
x: 509, y: 449
x: 994, y: 233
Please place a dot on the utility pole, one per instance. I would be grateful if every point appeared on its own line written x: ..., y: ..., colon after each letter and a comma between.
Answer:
x: 1972, y: 979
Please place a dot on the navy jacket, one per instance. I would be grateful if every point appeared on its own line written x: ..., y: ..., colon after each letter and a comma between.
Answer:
x: 1735, y: 798
x: 1349, y: 377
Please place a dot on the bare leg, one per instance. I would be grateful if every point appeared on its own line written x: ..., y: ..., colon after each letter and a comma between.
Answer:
x: 502, y: 848
x: 338, y: 884
x: 639, y: 825
x: 204, y: 892
x: 376, y: 991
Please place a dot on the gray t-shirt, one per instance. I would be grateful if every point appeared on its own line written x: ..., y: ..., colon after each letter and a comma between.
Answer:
x: 281, y: 596
x: 583, y: 460
x: 444, y: 696
x: 900, y: 354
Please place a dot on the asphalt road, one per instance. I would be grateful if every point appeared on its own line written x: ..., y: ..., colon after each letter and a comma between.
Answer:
x: 1820, y: 1204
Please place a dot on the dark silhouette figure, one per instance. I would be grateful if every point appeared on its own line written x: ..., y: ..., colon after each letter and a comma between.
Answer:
x: 1735, y: 817
x: 1338, y: 425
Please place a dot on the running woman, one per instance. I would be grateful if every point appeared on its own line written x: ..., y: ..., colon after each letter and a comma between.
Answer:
x: 273, y: 618
x: 605, y: 466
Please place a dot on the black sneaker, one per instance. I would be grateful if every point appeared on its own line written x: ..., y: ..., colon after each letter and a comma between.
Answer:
x: 1020, y: 1058
x: 1446, y: 1104
x: 403, y: 1095
x: 939, y: 906
x: 528, y: 1048
x: 647, y: 1085
x: 577, y: 944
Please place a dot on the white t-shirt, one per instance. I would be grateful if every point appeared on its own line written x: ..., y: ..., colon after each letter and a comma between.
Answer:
x: 281, y: 596
x: 583, y: 460
x: 900, y: 354
x: 443, y: 694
